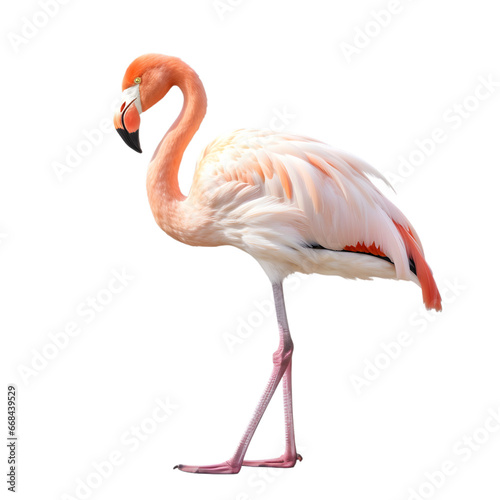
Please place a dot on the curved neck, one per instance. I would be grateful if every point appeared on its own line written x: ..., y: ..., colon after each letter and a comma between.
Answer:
x: 163, y: 183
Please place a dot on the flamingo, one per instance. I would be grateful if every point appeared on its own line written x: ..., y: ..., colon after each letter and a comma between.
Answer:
x: 293, y: 203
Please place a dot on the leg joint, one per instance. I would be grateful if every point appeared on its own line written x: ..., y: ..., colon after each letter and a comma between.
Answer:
x: 284, y: 353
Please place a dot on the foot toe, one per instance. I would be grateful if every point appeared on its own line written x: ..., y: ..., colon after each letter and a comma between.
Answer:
x: 222, y: 468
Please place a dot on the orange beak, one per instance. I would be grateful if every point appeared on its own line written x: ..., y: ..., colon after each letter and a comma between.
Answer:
x: 127, y: 118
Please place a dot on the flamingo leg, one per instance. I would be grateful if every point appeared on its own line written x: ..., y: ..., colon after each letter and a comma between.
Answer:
x: 290, y: 457
x: 281, y: 369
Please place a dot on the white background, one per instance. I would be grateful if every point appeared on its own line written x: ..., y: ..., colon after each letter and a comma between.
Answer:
x: 165, y: 335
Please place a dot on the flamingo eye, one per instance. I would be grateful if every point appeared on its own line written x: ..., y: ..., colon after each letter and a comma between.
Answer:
x: 137, y: 80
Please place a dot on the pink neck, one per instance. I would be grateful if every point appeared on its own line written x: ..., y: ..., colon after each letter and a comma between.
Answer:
x: 162, y: 182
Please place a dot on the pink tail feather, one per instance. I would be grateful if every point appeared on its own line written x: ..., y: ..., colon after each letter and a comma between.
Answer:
x: 430, y: 292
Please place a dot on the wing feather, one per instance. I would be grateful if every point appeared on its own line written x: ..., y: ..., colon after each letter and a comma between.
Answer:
x: 307, y: 193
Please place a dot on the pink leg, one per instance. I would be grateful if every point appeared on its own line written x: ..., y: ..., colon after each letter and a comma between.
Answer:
x: 281, y: 367
x: 290, y: 457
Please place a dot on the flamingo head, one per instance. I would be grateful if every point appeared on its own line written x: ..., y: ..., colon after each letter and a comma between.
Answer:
x: 146, y: 81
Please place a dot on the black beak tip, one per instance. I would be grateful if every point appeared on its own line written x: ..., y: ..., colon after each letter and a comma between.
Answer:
x: 130, y: 139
